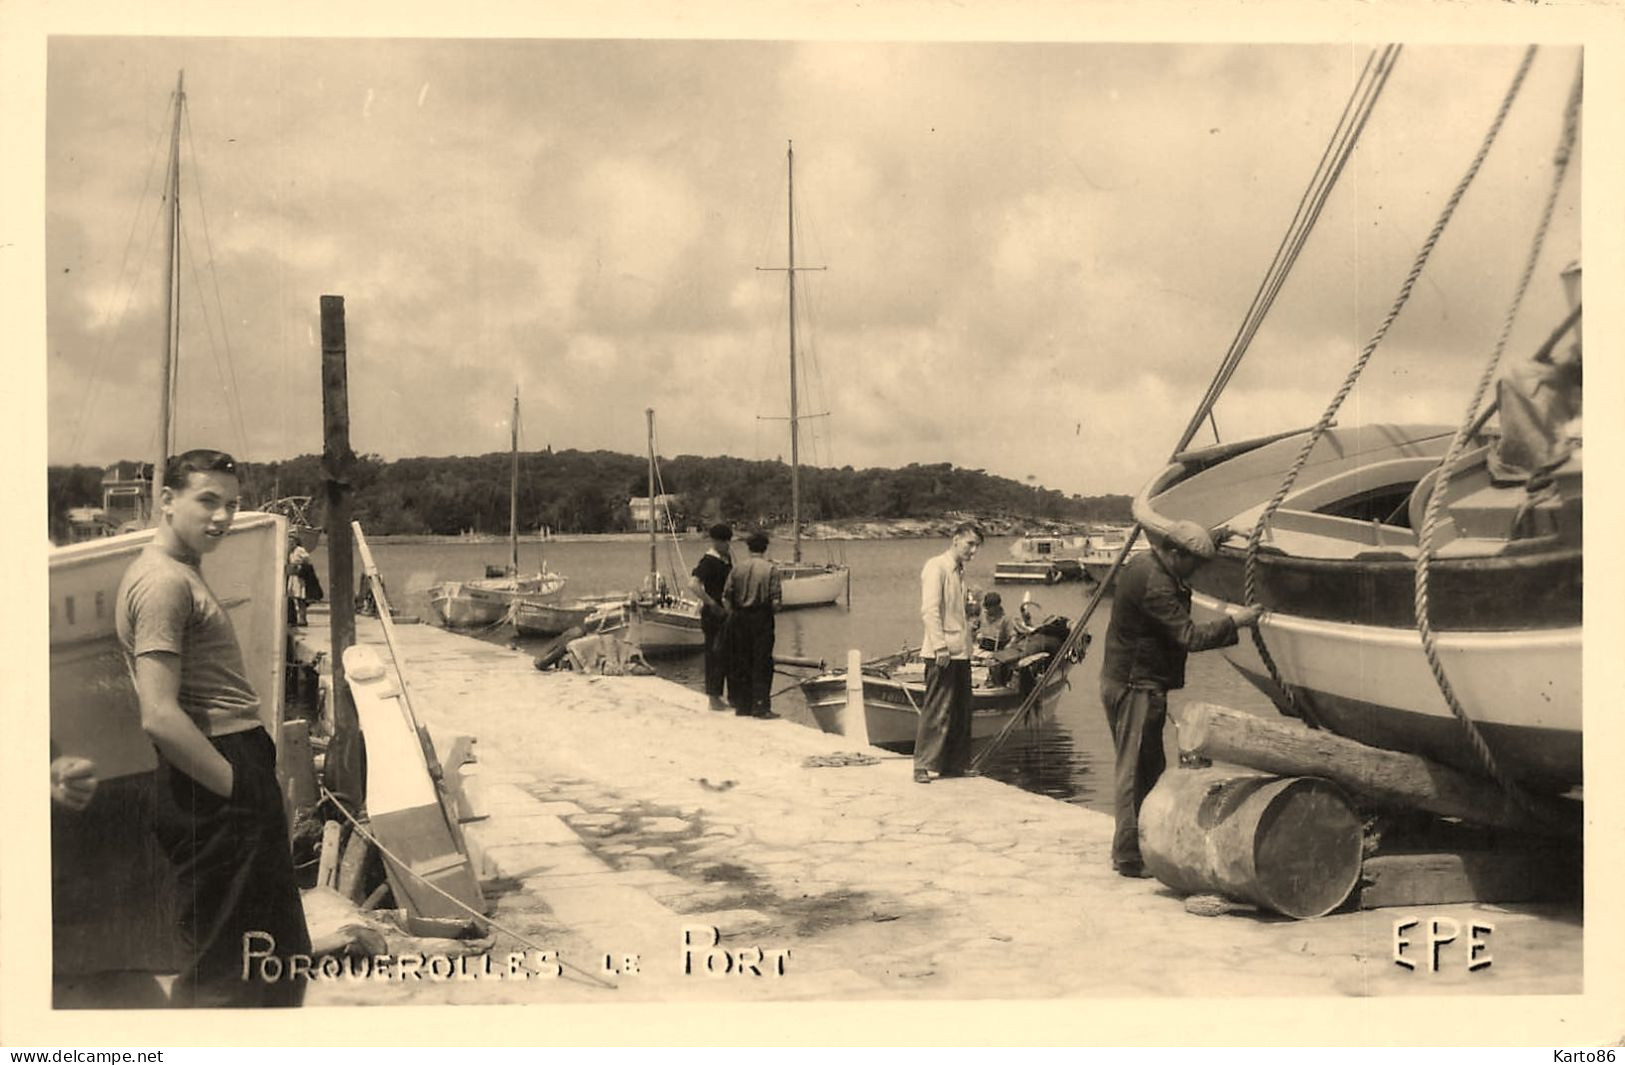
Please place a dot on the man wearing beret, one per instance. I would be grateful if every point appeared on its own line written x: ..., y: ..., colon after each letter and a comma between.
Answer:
x: 706, y: 582
x: 1150, y: 634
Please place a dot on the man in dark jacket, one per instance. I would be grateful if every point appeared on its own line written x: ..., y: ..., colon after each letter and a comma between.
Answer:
x: 1150, y: 634
x: 706, y: 582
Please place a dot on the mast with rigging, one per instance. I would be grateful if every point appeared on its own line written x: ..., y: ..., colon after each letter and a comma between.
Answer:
x: 172, y: 294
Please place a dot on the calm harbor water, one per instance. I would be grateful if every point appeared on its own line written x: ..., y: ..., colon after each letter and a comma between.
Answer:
x: 1068, y: 756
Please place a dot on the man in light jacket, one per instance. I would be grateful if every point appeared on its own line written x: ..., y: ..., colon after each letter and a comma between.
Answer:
x: 942, y: 744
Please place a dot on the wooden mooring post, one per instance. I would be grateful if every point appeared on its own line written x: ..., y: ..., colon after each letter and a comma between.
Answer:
x: 342, y: 772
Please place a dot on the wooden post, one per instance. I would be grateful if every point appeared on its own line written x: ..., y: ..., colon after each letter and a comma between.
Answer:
x: 1386, y: 778
x: 856, y: 723
x: 342, y: 771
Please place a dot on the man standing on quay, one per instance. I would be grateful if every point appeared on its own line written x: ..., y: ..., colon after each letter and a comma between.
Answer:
x: 1150, y: 634
x: 706, y: 582
x: 751, y: 594
x: 942, y: 744
x: 218, y: 809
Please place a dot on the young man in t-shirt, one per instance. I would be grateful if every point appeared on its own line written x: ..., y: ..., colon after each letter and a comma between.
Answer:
x: 706, y: 582
x: 218, y: 811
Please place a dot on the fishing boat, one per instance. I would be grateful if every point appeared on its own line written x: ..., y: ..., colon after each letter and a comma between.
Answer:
x: 109, y: 882
x: 1423, y: 583
x: 894, y: 689
x: 803, y: 583
x: 490, y: 600
x: 1043, y: 560
x: 1101, y: 548
x: 658, y: 619
x: 533, y: 617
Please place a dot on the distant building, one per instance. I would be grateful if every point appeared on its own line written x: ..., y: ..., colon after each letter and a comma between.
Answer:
x: 639, y: 506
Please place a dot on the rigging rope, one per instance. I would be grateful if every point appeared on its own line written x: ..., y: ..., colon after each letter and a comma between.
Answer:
x: 1334, y: 158
x: 1250, y: 578
x: 214, y: 277
x: 1424, y: 553
x: 1362, y: 100
x: 107, y: 333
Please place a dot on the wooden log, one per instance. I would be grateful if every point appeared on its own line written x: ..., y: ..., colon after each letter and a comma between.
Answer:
x: 1436, y: 879
x: 1291, y: 845
x: 327, y: 869
x: 353, y: 866
x: 1385, y: 778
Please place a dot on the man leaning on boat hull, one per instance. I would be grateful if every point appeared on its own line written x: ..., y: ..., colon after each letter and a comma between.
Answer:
x: 1150, y: 635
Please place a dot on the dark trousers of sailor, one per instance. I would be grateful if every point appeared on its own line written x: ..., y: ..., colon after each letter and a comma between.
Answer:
x: 1136, y: 715
x: 942, y: 741
x: 714, y: 626
x: 750, y: 672
x: 233, y: 875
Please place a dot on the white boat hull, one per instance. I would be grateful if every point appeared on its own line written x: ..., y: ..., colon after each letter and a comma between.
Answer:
x: 891, y: 706
x: 470, y: 604
x: 1373, y: 684
x: 812, y: 587
x: 93, y: 709
x: 655, y: 629
x: 1026, y: 573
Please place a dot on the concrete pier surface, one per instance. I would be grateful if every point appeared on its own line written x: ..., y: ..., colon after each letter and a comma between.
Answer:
x: 628, y: 821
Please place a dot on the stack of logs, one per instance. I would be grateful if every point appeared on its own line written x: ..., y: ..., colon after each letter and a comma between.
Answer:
x: 1315, y: 818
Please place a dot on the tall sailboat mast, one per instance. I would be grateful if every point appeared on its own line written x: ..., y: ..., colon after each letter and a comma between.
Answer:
x: 795, y: 429
x: 654, y: 566
x: 795, y: 408
x: 513, y: 493
x: 171, y: 300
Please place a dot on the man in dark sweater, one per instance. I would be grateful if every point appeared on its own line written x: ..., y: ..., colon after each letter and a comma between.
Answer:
x: 706, y: 582
x: 1150, y: 634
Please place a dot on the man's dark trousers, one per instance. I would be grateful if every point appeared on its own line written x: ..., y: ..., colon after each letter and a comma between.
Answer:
x: 714, y: 626
x: 750, y: 678
x: 233, y: 876
x: 1136, y: 714
x: 942, y: 742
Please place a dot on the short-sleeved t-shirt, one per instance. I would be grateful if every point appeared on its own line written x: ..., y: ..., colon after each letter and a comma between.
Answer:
x: 165, y: 607
x: 712, y: 573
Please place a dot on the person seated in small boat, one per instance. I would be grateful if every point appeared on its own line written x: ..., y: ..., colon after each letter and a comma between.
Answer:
x: 1045, y: 637
x: 997, y: 629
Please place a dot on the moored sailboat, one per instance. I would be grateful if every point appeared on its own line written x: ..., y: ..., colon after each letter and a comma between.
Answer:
x: 803, y: 583
x: 657, y: 620
x: 491, y: 599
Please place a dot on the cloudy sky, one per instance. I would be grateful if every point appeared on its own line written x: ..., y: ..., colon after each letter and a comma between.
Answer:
x: 1036, y: 253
